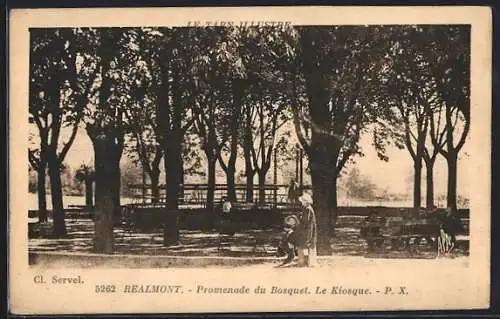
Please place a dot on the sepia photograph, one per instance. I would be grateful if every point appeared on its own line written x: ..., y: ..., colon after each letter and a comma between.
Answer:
x: 306, y: 161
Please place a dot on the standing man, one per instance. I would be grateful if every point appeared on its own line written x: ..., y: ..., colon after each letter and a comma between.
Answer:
x: 307, y: 232
x: 293, y: 191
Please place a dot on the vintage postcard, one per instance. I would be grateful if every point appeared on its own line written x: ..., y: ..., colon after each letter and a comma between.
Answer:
x: 250, y: 159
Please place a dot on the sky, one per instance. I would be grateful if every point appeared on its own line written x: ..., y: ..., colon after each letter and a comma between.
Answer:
x: 394, y: 175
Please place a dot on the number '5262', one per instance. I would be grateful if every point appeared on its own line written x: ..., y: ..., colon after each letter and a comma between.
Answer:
x: 105, y: 288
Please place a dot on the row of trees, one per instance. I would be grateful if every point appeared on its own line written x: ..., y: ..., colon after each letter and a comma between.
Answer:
x: 400, y: 82
x: 429, y: 86
x: 232, y: 88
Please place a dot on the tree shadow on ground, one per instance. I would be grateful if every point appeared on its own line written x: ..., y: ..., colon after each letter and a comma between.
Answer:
x: 244, y: 243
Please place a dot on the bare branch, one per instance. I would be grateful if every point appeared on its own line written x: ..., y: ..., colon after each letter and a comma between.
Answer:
x: 461, y: 142
x: 408, y: 139
x: 221, y: 162
x: 68, y: 144
x: 300, y: 135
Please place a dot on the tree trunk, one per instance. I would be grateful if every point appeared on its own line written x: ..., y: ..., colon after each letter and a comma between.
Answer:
x: 247, y: 154
x: 210, y: 192
x: 249, y: 174
x: 451, y: 159
x: 231, y: 184
x: 249, y: 186
x: 107, y: 166
x: 117, y: 191
x: 171, y: 115
x: 237, y: 90
x: 325, y: 208
x: 181, y: 177
x: 417, y: 194
x: 320, y: 151
x: 42, y: 196
x: 155, y: 180
x: 429, y: 166
x: 172, y: 176
x: 332, y: 199
x: 154, y: 174
x: 89, y: 193
x: 262, y: 185
x: 452, y: 180
x: 56, y: 194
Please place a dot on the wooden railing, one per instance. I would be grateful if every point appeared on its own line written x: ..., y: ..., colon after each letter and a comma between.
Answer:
x: 197, y: 193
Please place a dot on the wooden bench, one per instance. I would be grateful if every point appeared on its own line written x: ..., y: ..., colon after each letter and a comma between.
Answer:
x: 405, y: 234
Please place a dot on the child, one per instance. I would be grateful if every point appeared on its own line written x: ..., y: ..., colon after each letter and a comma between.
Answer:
x: 287, y: 244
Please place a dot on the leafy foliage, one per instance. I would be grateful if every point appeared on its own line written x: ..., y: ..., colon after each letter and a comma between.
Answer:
x: 54, y: 101
x: 335, y: 85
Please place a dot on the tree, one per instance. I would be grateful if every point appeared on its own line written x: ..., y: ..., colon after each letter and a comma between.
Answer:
x: 177, y: 52
x: 213, y: 106
x: 86, y: 174
x: 39, y: 165
x: 430, y: 155
x: 450, y: 60
x: 414, y: 80
x: 213, y: 136
x: 270, y: 119
x: 149, y: 154
x: 144, y: 147
x: 240, y: 69
x: 141, y: 116
x: 337, y: 76
x: 55, y: 102
x: 230, y: 59
x: 111, y: 66
x: 130, y: 173
x: 287, y: 149
x: 267, y: 53
x: 411, y: 90
x: 359, y: 186
x: 105, y: 129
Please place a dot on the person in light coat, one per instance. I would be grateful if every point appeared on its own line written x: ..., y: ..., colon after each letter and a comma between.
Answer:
x: 307, y: 233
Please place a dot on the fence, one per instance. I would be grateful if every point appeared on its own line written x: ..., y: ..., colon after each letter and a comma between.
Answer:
x: 196, y: 194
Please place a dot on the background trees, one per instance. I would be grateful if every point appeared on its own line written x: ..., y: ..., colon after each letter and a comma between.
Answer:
x: 450, y: 58
x: 359, y: 186
x: 428, y: 82
x: 111, y: 66
x: 334, y: 83
x: 174, y: 114
x: 104, y: 126
x: 411, y: 91
x: 168, y: 93
x: 55, y: 103
x: 216, y: 67
x: 86, y: 174
x: 39, y: 165
x: 267, y: 55
x: 144, y: 146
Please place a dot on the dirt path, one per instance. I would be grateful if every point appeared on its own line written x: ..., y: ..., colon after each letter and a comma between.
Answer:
x: 255, y: 246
